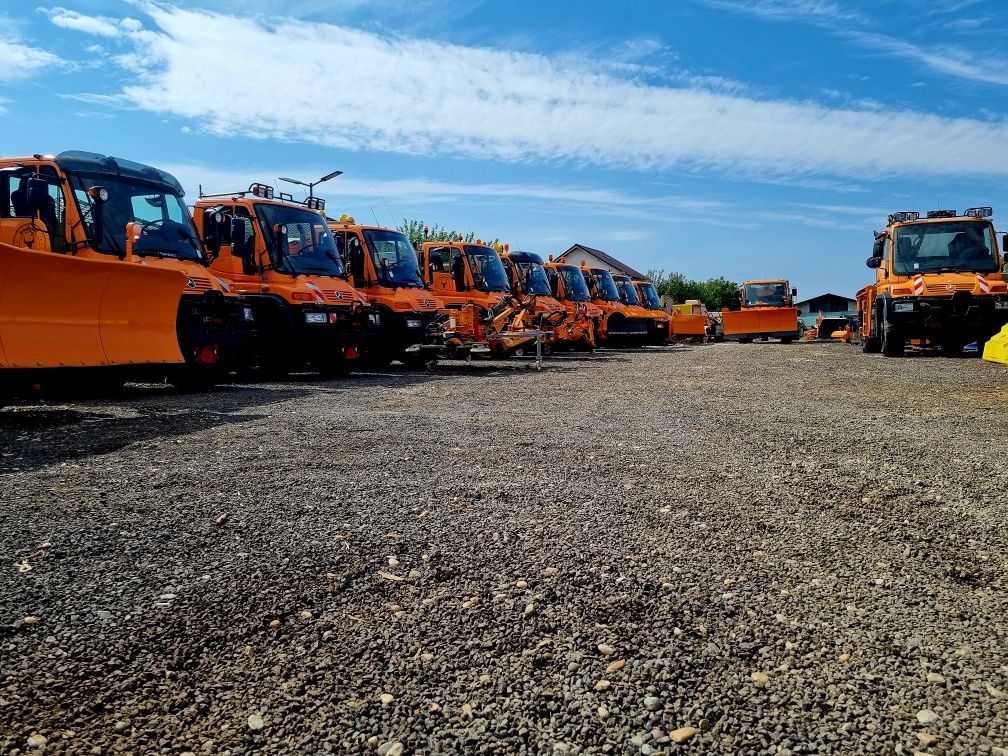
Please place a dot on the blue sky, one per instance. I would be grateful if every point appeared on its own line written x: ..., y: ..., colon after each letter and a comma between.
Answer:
x: 744, y: 139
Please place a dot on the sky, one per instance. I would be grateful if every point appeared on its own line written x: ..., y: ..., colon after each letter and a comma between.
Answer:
x: 735, y: 138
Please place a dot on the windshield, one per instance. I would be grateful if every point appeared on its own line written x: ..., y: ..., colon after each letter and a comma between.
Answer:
x: 487, y: 269
x: 650, y: 296
x: 533, y: 279
x: 772, y: 294
x: 165, y: 227
x: 605, y: 287
x: 393, y: 258
x: 933, y: 247
x: 627, y: 291
x: 305, y: 245
x: 574, y: 284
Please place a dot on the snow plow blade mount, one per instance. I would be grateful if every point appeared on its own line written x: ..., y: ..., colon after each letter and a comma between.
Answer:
x: 775, y: 322
x: 62, y: 311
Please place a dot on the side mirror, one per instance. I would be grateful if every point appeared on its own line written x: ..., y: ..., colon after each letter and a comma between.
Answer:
x: 877, y: 247
x: 235, y: 230
x: 99, y: 196
x: 1004, y: 244
x: 794, y: 293
x: 874, y: 262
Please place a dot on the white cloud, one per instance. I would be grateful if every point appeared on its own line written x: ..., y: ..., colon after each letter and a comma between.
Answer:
x: 96, y: 25
x: 424, y: 97
x: 18, y: 61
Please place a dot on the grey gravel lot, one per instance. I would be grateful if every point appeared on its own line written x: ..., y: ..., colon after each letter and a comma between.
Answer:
x: 731, y: 548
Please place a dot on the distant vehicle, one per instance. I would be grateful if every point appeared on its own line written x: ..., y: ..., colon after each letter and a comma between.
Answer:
x: 767, y: 312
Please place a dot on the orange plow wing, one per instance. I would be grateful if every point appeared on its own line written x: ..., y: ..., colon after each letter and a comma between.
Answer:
x: 683, y: 325
x: 62, y: 311
x: 761, y: 322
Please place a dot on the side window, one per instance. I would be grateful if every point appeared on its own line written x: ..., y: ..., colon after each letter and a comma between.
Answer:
x: 554, y: 283
x: 439, y: 259
x: 457, y: 268
x: 355, y: 257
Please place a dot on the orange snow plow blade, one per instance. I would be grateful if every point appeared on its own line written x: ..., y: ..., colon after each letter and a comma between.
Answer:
x: 686, y: 325
x: 62, y: 311
x: 758, y: 323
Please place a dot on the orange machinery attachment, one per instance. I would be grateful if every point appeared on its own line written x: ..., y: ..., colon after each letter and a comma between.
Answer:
x: 384, y: 267
x: 689, y: 321
x: 100, y: 267
x: 619, y: 323
x: 470, y: 278
x: 279, y: 255
x: 938, y: 282
x: 530, y: 285
x: 767, y: 312
x: 569, y: 288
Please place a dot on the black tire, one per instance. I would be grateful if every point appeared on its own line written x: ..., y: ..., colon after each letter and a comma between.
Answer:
x: 416, y: 360
x: 952, y: 346
x: 871, y: 345
x: 893, y: 342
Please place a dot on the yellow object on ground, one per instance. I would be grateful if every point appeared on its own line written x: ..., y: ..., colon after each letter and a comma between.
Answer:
x: 996, y: 349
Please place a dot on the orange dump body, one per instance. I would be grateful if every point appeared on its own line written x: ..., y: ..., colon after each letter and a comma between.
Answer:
x: 767, y: 312
x: 100, y: 266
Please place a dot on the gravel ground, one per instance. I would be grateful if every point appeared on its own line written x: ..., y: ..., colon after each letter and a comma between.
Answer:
x: 733, y: 548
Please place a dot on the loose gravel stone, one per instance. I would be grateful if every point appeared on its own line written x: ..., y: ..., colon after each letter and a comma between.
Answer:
x: 853, y: 507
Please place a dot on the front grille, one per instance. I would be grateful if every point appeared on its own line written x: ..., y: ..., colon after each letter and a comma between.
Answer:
x: 947, y: 288
x: 336, y: 296
x: 197, y: 283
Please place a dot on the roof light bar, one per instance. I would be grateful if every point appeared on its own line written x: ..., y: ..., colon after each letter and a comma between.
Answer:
x: 941, y: 214
x: 979, y: 212
x: 261, y: 190
x: 903, y: 216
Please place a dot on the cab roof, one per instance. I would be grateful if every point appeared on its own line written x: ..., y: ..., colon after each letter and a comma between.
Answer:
x: 94, y: 163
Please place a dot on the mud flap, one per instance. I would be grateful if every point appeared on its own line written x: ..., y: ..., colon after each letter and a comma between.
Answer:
x: 63, y: 311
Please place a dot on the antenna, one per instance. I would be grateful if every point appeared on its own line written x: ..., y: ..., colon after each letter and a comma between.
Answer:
x: 386, y: 205
x: 311, y: 184
x: 375, y: 216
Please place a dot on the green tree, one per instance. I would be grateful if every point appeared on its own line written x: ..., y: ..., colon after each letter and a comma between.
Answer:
x: 419, y: 232
x: 716, y: 293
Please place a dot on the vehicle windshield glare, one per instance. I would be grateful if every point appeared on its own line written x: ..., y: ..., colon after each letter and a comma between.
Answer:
x: 628, y: 294
x: 952, y: 246
x: 574, y: 284
x: 393, y: 258
x: 307, y: 247
x: 533, y: 279
x: 605, y: 287
x: 166, y: 230
x: 772, y: 294
x: 487, y: 269
x: 650, y: 295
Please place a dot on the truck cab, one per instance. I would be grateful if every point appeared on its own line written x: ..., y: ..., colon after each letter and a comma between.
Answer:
x: 938, y: 281
x: 531, y: 286
x: 383, y: 265
x: 619, y: 323
x: 107, y: 248
x: 279, y: 256
x: 766, y: 311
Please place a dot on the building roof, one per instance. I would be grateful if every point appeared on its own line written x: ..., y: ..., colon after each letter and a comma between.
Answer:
x: 608, y: 259
x: 826, y: 294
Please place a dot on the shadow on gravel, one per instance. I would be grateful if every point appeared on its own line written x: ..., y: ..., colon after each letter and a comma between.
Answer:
x: 38, y: 436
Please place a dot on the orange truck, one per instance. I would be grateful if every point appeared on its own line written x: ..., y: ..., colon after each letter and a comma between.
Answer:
x: 661, y: 321
x: 656, y: 317
x: 938, y: 282
x: 280, y: 257
x: 384, y: 267
x: 530, y: 284
x: 569, y: 288
x: 767, y: 312
x: 127, y: 291
x: 619, y: 323
x: 469, y: 277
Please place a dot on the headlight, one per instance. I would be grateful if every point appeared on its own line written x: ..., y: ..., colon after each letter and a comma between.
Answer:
x: 903, y: 307
x: 315, y: 317
x: 248, y: 313
x: 1002, y: 305
x: 412, y: 323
